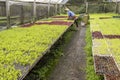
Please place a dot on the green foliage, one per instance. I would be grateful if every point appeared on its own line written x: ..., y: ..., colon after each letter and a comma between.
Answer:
x: 90, y: 72
x: 22, y: 46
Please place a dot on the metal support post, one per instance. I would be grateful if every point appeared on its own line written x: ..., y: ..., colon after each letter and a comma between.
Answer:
x: 22, y: 15
x: 8, y: 13
x: 56, y: 6
x: 60, y: 8
x: 86, y: 7
x: 34, y: 11
x: 48, y: 9
x: 116, y: 7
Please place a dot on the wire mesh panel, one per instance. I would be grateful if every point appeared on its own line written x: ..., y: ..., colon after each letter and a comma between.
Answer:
x: 28, y: 13
x: 21, y: 13
x: 118, y: 9
x: 52, y: 10
x: 15, y: 14
x: 3, y: 20
x: 41, y: 12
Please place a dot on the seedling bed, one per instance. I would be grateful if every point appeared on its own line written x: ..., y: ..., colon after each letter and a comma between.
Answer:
x: 105, y: 65
x: 21, y: 51
x: 28, y: 68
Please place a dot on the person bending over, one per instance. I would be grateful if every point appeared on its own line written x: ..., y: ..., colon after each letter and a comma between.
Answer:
x: 71, y: 15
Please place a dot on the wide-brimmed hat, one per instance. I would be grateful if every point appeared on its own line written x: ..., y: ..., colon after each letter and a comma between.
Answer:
x: 67, y: 9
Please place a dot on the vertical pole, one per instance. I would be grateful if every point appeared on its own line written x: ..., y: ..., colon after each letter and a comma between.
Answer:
x: 60, y: 8
x: 8, y: 13
x: 116, y: 7
x: 22, y: 15
x: 34, y: 11
x: 56, y: 9
x: 86, y: 7
x: 104, y: 7
x: 49, y: 9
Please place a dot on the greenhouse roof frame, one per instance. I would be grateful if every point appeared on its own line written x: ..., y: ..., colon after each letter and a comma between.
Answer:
x: 47, y: 1
x: 42, y: 1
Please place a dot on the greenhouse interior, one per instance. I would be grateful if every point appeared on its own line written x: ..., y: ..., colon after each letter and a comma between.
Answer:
x: 59, y: 39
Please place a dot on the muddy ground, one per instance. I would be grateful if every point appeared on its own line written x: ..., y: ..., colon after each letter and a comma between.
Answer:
x: 72, y: 64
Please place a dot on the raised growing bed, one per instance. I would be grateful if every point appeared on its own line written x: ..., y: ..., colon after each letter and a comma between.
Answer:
x: 106, y: 42
x: 27, y: 69
x: 28, y: 46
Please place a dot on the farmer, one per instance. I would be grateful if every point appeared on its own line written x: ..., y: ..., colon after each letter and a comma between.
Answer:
x: 71, y: 15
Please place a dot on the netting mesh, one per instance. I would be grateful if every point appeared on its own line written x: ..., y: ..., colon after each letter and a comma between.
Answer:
x: 94, y: 7
x: 21, y: 13
x: 3, y: 21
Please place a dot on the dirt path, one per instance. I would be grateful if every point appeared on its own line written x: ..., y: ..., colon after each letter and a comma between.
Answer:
x: 72, y: 64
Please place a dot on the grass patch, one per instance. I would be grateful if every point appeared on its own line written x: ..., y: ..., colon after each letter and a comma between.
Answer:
x: 46, y: 65
x: 90, y: 72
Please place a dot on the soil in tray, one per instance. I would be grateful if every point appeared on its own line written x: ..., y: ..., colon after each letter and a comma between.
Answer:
x: 109, y: 77
x: 61, y: 23
x: 112, y: 36
x: 97, y: 34
x: 106, y: 65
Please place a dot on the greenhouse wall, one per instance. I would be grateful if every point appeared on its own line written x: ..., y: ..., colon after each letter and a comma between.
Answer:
x: 2, y: 9
x: 22, y: 12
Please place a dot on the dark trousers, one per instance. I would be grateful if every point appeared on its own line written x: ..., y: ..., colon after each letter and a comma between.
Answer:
x: 73, y: 18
